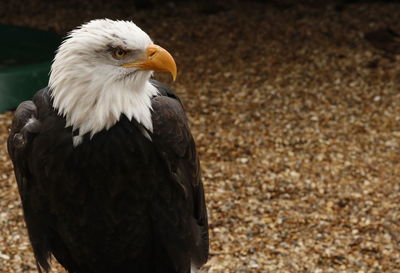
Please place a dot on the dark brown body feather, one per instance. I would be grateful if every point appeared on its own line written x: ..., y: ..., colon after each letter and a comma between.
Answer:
x: 117, y: 202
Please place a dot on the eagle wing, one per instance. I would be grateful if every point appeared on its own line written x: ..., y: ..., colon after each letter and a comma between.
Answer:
x: 25, y: 126
x: 172, y: 137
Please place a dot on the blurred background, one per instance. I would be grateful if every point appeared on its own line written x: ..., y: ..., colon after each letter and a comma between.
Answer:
x: 295, y: 108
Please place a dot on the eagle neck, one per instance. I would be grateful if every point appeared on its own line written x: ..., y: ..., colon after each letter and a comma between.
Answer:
x: 91, y: 110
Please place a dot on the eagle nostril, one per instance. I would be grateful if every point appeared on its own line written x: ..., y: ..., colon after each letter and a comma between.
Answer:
x: 151, y: 52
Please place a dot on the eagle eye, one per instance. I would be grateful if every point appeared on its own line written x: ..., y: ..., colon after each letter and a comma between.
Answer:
x: 118, y: 53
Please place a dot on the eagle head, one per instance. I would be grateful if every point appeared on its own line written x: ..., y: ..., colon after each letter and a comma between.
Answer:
x: 102, y: 70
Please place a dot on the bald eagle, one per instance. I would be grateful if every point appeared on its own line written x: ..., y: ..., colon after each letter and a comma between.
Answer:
x: 105, y: 163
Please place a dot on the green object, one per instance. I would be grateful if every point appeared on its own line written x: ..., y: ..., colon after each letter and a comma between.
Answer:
x: 25, y: 59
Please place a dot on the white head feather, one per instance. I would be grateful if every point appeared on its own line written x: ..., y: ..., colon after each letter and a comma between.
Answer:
x: 90, y: 88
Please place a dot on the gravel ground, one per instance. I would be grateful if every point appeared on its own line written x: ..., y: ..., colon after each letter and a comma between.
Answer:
x: 297, y: 121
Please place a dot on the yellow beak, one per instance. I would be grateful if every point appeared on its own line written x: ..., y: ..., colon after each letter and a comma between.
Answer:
x: 157, y: 59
